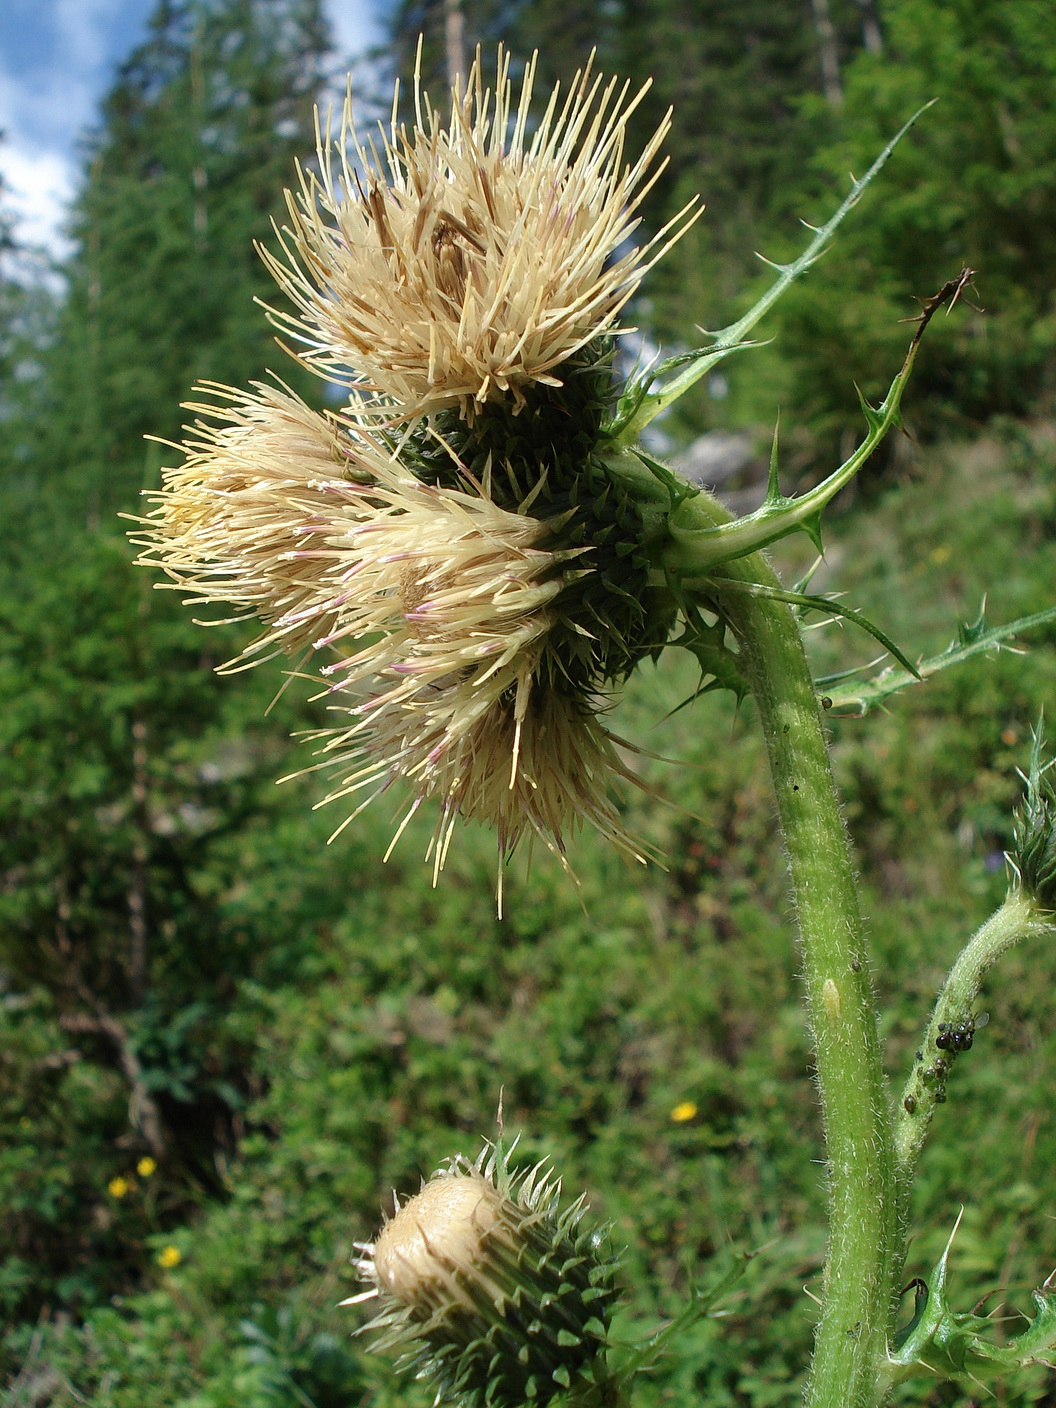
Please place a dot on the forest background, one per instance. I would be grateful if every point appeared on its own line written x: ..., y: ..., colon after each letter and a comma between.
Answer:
x: 221, y: 1041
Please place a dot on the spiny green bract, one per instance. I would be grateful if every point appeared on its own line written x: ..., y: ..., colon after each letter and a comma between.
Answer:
x: 962, y: 1347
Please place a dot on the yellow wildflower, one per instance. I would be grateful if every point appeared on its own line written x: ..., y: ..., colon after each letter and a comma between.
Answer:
x: 471, y: 260
x: 169, y: 1257
x: 118, y: 1187
x: 146, y: 1167
x: 684, y: 1111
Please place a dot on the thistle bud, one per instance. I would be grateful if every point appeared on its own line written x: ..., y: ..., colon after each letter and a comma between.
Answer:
x: 489, y: 1291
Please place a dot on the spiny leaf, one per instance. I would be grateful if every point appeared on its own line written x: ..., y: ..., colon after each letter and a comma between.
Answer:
x: 720, y: 666
x: 678, y: 488
x: 949, y: 1345
x: 1034, y: 851
x: 812, y: 527
x: 868, y: 695
x: 700, y: 545
x: 720, y: 669
x: 968, y: 632
x: 626, y: 427
x: 872, y: 415
x: 637, y: 407
x: 833, y: 607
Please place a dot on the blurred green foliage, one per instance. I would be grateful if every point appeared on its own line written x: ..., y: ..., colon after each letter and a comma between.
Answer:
x: 973, y: 187
x: 277, y: 1032
x: 374, y: 1020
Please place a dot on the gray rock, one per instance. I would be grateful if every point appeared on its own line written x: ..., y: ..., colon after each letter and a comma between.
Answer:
x: 715, y: 458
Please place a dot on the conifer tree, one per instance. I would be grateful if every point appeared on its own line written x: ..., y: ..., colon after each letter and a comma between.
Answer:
x: 126, y: 770
x: 199, y: 136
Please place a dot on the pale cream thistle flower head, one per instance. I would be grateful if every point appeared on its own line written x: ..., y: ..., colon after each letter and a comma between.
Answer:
x: 435, y: 608
x: 465, y: 262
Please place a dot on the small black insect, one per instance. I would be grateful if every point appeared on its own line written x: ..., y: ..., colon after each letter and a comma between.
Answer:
x: 958, y: 1036
x: 910, y: 1102
x: 920, y: 1055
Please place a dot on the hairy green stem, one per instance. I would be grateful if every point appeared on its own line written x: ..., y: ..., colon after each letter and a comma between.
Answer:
x: 851, y: 1339
x: 1020, y: 917
x: 852, y: 1332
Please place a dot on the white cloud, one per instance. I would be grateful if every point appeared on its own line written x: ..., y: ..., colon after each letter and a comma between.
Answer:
x: 83, y: 26
x: 43, y: 111
x: 41, y: 185
x: 50, y: 104
x: 46, y: 108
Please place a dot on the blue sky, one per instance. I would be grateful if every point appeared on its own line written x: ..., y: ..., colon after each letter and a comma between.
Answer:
x: 57, y: 58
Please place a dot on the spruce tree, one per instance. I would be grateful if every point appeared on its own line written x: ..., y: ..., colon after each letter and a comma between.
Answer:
x: 128, y: 770
x: 199, y: 136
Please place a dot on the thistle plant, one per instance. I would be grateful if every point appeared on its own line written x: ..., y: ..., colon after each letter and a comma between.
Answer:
x: 472, y: 554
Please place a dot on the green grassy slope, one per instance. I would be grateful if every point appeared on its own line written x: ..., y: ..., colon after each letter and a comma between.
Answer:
x: 385, y: 1050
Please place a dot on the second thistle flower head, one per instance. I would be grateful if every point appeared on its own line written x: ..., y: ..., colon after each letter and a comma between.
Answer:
x: 488, y: 1290
x: 465, y: 262
x: 441, y: 614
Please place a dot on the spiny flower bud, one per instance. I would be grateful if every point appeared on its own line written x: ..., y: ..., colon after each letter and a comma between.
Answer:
x: 489, y: 1291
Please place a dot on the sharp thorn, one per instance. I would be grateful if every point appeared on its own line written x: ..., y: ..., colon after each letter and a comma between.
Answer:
x: 773, y: 487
